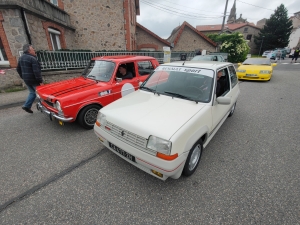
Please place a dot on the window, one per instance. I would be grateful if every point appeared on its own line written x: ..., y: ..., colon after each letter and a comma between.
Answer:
x: 145, y: 68
x: 245, y: 29
x: 233, y: 77
x: 55, y: 41
x: 223, y: 84
x: 54, y: 2
x: 3, y: 57
x: 249, y: 36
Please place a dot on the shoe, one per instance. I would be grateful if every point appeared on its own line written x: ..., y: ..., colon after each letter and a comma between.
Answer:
x: 27, y: 109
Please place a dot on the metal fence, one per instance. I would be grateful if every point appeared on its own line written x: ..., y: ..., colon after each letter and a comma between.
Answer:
x: 64, y: 60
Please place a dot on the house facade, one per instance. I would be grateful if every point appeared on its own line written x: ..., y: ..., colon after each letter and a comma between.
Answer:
x: 66, y: 24
x: 148, y: 41
x: 249, y: 30
x: 186, y: 38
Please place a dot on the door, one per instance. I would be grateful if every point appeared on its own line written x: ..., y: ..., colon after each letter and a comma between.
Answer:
x: 220, y: 111
x: 122, y: 87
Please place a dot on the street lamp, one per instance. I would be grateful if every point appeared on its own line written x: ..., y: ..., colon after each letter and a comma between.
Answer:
x: 261, y: 45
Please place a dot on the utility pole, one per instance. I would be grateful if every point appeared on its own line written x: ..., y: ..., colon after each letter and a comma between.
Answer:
x: 224, y: 16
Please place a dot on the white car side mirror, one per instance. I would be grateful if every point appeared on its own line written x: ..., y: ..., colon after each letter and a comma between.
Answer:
x: 224, y: 100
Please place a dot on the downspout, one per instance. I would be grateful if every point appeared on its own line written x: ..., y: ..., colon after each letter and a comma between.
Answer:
x: 27, y: 31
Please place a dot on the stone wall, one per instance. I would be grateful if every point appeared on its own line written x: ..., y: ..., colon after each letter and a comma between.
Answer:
x: 99, y: 24
x: 145, y: 40
x: 39, y: 34
x: 11, y: 78
x: 14, y: 30
x: 189, y: 41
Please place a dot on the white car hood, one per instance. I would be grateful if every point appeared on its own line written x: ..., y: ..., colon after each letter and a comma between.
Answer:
x: 146, y: 113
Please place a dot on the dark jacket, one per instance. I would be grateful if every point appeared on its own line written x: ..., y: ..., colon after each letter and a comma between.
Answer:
x: 128, y: 75
x: 29, y: 69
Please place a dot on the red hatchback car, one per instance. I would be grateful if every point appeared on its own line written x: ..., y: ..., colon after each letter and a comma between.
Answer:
x: 81, y: 98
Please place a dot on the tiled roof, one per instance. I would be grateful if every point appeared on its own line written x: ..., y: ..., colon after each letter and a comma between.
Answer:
x: 178, y: 31
x: 153, y: 35
x: 218, y: 27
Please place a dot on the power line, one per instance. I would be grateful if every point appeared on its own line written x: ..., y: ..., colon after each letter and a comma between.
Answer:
x: 174, y: 12
x: 188, y: 7
x: 255, y: 5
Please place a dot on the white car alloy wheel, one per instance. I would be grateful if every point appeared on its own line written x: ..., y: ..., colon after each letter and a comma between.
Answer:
x: 232, y: 110
x: 193, y: 159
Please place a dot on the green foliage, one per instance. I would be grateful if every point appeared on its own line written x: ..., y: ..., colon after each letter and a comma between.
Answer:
x: 276, y: 32
x: 234, y: 44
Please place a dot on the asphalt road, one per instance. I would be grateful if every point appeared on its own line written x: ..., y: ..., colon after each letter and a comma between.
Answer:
x: 248, y: 174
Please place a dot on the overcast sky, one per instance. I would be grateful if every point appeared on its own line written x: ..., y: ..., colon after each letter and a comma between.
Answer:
x: 162, y: 16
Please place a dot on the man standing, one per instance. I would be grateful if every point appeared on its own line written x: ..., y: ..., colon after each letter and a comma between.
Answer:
x: 29, y: 70
x: 296, y: 55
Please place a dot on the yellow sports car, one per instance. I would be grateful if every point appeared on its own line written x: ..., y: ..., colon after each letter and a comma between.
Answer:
x: 255, y: 69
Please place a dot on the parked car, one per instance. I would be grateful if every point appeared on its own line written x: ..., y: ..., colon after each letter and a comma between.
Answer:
x: 265, y: 54
x: 272, y: 55
x: 163, y: 127
x: 208, y: 58
x: 256, y: 69
x: 81, y: 98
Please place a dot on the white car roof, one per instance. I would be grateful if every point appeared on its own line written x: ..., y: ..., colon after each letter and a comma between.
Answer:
x: 201, y: 64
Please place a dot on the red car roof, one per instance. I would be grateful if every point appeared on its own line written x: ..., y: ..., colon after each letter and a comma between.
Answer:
x: 122, y: 57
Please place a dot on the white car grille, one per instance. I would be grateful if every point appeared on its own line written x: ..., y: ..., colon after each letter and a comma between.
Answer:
x: 128, y: 137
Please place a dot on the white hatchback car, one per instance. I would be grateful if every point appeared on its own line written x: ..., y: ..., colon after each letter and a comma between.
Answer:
x: 163, y: 127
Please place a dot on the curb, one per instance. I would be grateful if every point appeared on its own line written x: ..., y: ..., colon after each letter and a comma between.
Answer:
x: 15, y: 104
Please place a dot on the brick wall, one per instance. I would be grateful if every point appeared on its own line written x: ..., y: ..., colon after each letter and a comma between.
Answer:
x: 99, y: 24
x: 189, y: 41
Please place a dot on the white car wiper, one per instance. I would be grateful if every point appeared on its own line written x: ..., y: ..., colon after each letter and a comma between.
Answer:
x: 180, y: 96
x: 148, y: 89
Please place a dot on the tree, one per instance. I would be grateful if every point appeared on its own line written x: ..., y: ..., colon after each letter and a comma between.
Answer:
x: 276, y: 32
x: 234, y: 44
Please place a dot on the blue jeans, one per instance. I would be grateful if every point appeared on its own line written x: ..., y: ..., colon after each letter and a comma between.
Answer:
x: 31, y: 97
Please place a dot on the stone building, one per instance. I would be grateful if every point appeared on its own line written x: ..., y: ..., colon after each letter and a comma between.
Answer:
x: 63, y: 24
x: 249, y: 30
x: 187, y: 38
x: 66, y: 24
x: 147, y: 40
x: 92, y: 25
x: 261, y: 23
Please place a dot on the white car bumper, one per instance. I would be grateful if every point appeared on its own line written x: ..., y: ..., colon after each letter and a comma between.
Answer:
x: 143, y: 160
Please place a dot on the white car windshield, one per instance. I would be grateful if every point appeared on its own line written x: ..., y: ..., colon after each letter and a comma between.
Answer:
x: 99, y: 70
x: 189, y: 83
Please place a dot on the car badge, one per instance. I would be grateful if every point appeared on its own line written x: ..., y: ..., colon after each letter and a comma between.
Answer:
x: 122, y: 133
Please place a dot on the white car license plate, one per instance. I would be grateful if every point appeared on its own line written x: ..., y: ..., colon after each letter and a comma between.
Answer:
x: 122, y: 152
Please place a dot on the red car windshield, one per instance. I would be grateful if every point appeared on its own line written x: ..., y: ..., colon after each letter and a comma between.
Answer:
x: 99, y: 70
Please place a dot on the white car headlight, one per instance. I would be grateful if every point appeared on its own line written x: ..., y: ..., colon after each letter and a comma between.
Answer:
x: 265, y: 71
x: 159, y: 145
x: 101, y: 118
x: 57, y: 106
x: 241, y: 71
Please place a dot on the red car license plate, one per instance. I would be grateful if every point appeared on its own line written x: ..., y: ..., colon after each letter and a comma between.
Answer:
x: 122, y: 152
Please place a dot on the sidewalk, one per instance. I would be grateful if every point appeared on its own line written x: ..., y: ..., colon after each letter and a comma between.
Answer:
x: 12, y: 99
